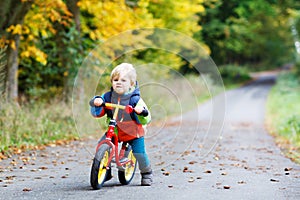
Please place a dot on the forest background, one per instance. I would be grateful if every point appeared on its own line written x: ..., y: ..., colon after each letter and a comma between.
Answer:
x: 44, y: 42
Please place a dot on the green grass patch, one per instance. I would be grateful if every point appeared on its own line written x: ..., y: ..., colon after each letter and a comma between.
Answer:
x: 283, y: 113
x: 34, y: 124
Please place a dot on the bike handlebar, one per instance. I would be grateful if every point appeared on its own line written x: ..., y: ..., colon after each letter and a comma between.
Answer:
x: 128, y: 108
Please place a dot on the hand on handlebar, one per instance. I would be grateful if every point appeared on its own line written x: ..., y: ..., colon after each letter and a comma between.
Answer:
x: 141, y: 111
x: 98, y: 102
x: 138, y: 109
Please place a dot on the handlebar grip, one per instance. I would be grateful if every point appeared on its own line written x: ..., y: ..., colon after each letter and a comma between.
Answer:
x: 128, y: 109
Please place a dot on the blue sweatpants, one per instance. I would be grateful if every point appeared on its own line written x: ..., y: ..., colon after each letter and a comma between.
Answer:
x: 139, y: 151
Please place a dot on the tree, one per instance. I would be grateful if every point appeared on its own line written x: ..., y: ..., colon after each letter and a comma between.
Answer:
x: 45, y: 49
x: 55, y: 34
x: 11, y: 19
x: 3, y: 64
x: 248, y: 32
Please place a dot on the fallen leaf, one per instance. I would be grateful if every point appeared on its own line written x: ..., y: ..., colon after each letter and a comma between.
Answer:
x: 13, y: 162
x: 185, y: 169
x: 186, y: 153
x: 10, y: 177
x: 191, y: 180
x: 43, y: 168
x: 166, y: 173
x: 27, y: 189
x: 226, y: 187
x: 2, y: 156
x: 192, y: 162
x: 160, y: 163
x: 274, y: 180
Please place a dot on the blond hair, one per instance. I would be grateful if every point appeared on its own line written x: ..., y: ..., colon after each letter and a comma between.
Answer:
x: 124, y: 69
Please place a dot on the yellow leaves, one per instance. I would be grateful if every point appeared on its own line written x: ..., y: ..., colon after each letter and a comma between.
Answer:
x: 54, y: 15
x: 25, y: 54
x: 44, y: 13
x: 176, y: 15
x: 3, y: 43
x: 35, y: 53
x: 113, y: 17
x: 293, y: 12
x: 93, y: 35
x: 44, y: 33
x: 12, y: 44
x: 15, y: 29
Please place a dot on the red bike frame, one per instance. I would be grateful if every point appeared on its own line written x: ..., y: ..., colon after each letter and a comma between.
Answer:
x: 112, y: 139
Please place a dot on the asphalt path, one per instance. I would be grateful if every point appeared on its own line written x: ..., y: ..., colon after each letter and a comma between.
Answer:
x: 192, y: 157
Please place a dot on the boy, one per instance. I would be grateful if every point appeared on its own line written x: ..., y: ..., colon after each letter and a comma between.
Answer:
x: 125, y: 91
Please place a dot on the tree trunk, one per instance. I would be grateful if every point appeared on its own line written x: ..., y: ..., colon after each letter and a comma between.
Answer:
x: 74, y: 9
x: 12, y: 73
x: 12, y: 13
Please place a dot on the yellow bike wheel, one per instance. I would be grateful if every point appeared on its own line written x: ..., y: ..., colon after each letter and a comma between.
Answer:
x: 127, y: 173
x: 99, y: 167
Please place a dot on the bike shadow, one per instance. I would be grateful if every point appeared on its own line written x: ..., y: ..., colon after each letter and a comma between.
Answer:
x: 108, y: 185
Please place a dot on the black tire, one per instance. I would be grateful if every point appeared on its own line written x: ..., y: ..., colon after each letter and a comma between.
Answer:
x: 99, y: 168
x: 126, y: 175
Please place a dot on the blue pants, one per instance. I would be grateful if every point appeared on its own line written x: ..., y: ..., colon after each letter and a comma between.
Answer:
x: 139, y: 151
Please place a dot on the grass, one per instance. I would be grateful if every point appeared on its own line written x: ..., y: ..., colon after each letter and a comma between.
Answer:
x: 283, y: 114
x: 23, y: 127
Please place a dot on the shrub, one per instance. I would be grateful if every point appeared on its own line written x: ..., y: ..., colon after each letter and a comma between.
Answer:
x: 234, y: 74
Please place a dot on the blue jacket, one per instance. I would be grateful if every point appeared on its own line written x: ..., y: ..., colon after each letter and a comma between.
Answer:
x: 129, y: 126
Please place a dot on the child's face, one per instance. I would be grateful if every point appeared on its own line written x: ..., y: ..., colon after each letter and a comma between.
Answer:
x: 121, y: 84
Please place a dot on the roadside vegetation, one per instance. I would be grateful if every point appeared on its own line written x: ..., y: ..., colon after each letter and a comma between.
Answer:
x: 233, y: 76
x: 33, y: 125
x: 283, y: 114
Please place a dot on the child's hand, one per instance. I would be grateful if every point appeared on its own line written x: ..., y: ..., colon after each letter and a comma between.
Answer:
x: 138, y: 109
x: 98, y: 102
